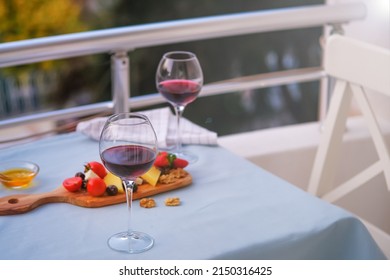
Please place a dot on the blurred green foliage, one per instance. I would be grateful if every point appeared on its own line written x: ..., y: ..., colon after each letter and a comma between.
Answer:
x: 21, y: 19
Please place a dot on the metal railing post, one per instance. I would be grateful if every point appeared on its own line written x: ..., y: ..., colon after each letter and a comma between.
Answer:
x: 120, y: 78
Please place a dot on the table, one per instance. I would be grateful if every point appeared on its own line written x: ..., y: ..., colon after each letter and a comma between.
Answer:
x: 233, y: 210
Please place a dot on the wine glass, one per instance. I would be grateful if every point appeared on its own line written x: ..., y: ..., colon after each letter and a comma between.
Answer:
x: 128, y: 149
x: 179, y: 79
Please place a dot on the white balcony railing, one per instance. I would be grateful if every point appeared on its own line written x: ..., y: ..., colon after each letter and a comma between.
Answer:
x: 119, y: 41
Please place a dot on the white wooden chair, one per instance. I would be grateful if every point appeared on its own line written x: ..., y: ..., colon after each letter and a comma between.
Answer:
x: 358, y: 68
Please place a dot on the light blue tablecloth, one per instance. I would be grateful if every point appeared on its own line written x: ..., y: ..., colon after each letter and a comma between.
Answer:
x: 233, y: 210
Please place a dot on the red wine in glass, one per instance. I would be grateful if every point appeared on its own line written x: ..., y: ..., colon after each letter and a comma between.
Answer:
x: 128, y: 148
x: 128, y: 160
x: 179, y: 92
x: 179, y: 79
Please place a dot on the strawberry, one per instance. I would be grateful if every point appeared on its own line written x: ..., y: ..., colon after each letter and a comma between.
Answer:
x: 162, y: 160
x: 168, y: 160
x: 73, y: 184
x: 179, y: 163
x: 97, y: 168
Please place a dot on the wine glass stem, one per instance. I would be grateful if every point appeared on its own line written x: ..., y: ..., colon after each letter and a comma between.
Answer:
x: 128, y: 185
x: 179, y: 109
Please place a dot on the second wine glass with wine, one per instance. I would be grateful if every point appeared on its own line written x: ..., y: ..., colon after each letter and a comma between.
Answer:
x: 179, y: 79
x: 128, y: 149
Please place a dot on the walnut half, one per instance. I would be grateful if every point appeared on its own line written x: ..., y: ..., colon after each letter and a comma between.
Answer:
x: 147, y: 202
x: 172, y: 201
x: 172, y: 176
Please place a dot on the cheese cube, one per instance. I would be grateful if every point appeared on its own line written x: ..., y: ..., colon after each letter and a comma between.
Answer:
x: 111, y: 179
x: 152, y: 176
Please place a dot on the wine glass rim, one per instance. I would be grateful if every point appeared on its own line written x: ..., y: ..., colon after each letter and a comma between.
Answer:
x: 118, y: 116
x: 190, y: 55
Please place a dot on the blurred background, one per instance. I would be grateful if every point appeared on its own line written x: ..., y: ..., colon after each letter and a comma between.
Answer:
x: 66, y: 83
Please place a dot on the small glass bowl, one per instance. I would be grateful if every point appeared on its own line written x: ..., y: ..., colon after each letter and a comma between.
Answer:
x: 17, y: 174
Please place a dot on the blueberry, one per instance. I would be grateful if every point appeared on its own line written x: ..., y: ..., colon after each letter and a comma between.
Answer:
x: 84, y: 184
x: 111, y: 190
x: 81, y: 175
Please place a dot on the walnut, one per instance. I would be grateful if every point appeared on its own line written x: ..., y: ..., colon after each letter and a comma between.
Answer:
x: 172, y: 201
x: 172, y: 176
x: 147, y: 202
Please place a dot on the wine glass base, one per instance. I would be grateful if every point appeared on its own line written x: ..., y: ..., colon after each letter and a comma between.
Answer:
x: 133, y: 243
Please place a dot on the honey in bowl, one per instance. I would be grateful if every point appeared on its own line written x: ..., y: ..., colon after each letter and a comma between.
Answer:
x: 17, y: 174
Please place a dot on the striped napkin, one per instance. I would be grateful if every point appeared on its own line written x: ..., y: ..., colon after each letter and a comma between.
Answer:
x: 164, y: 123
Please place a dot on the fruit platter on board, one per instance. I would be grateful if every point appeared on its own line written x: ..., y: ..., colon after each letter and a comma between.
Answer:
x: 97, y: 187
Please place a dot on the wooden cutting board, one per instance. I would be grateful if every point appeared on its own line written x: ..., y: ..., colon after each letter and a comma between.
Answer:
x: 22, y: 203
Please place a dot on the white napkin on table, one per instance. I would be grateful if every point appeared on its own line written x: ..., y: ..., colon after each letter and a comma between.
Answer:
x: 164, y: 123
